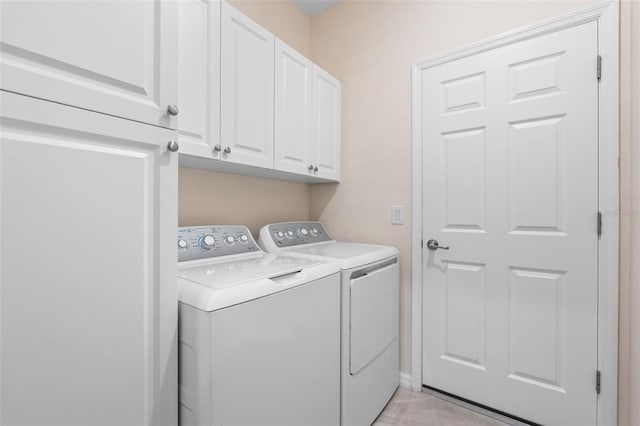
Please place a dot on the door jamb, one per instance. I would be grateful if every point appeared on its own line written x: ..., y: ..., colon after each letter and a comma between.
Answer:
x: 606, y: 14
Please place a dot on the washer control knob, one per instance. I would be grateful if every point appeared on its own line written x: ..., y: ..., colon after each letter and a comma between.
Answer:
x: 289, y: 234
x: 314, y: 232
x: 279, y: 235
x: 182, y: 244
x: 207, y: 242
x: 229, y: 240
x: 302, y: 232
x: 243, y: 239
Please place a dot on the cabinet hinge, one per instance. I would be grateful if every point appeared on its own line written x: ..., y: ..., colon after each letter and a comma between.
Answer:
x: 598, y: 378
x: 599, y: 226
x: 599, y: 67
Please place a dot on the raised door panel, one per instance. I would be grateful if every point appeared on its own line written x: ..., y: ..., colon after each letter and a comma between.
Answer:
x: 326, y: 133
x: 88, y: 312
x: 247, y: 90
x: 199, y: 77
x: 113, y: 57
x: 292, y: 110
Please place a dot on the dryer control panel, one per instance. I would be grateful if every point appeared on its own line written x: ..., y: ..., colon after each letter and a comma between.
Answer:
x: 202, y: 242
x: 288, y: 234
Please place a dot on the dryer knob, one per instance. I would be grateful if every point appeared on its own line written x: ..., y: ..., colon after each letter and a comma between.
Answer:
x: 302, y: 232
x: 314, y: 232
x: 207, y: 242
x: 182, y: 244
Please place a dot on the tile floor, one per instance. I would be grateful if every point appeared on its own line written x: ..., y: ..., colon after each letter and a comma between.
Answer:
x: 408, y: 408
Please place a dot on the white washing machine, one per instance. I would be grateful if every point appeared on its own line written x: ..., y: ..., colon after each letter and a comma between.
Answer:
x: 259, y: 333
x: 370, y: 312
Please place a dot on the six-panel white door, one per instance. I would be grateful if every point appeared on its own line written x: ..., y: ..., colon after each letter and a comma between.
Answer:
x: 88, y: 298
x: 510, y: 142
x: 326, y: 122
x: 247, y: 90
x: 293, y: 94
x: 199, y: 78
x: 113, y: 57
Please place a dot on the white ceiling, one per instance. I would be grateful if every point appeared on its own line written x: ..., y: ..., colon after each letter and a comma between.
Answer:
x: 313, y: 7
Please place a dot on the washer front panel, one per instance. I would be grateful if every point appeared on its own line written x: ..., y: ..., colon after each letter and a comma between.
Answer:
x: 203, y: 242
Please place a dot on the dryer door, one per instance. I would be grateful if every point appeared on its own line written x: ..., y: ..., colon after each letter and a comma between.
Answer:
x: 374, y: 314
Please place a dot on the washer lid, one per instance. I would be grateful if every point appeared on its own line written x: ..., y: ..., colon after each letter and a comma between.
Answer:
x: 211, y: 286
x: 348, y: 255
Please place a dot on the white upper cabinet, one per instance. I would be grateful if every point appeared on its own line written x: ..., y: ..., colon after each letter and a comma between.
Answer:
x: 307, y: 117
x: 199, y: 77
x: 113, y: 57
x: 293, y: 111
x: 326, y: 134
x: 247, y: 91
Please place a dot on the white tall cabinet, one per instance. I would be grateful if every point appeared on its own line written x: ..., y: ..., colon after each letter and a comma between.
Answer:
x: 113, y: 57
x: 88, y: 309
x: 247, y: 90
x: 88, y: 213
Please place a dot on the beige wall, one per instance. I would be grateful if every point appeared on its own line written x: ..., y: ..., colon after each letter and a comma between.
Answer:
x: 629, y: 347
x: 219, y: 198
x: 222, y: 199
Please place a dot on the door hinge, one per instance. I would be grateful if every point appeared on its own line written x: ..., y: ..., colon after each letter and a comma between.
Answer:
x: 422, y: 243
x: 599, y: 67
x: 598, y: 378
x: 599, y: 226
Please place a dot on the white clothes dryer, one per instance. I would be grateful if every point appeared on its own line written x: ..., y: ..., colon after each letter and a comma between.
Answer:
x: 259, y: 333
x: 370, y: 312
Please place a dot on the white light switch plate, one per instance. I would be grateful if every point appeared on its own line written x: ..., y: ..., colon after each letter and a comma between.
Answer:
x: 397, y: 215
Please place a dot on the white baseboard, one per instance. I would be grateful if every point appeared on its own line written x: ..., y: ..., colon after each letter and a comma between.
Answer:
x: 405, y: 380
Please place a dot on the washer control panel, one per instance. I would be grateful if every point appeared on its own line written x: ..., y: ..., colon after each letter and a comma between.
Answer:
x: 202, y: 242
x: 288, y: 234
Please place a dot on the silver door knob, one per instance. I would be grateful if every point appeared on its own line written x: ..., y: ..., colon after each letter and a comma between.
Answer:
x: 227, y: 150
x: 173, y: 146
x: 315, y: 169
x: 310, y: 167
x: 217, y: 148
x: 433, y: 245
x: 172, y: 110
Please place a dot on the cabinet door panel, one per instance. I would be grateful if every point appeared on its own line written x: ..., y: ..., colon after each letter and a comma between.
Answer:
x: 247, y: 90
x: 326, y: 124
x: 199, y: 77
x: 114, y: 57
x: 293, y: 110
x: 88, y: 306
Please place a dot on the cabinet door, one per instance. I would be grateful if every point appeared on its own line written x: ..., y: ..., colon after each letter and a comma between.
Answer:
x: 326, y: 124
x: 199, y: 77
x: 292, y: 144
x: 88, y: 311
x: 247, y: 90
x: 114, y: 57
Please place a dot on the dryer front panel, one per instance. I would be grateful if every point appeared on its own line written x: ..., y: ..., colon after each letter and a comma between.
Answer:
x: 374, y: 313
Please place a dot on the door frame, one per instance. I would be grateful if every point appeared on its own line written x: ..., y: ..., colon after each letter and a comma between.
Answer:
x: 606, y: 14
